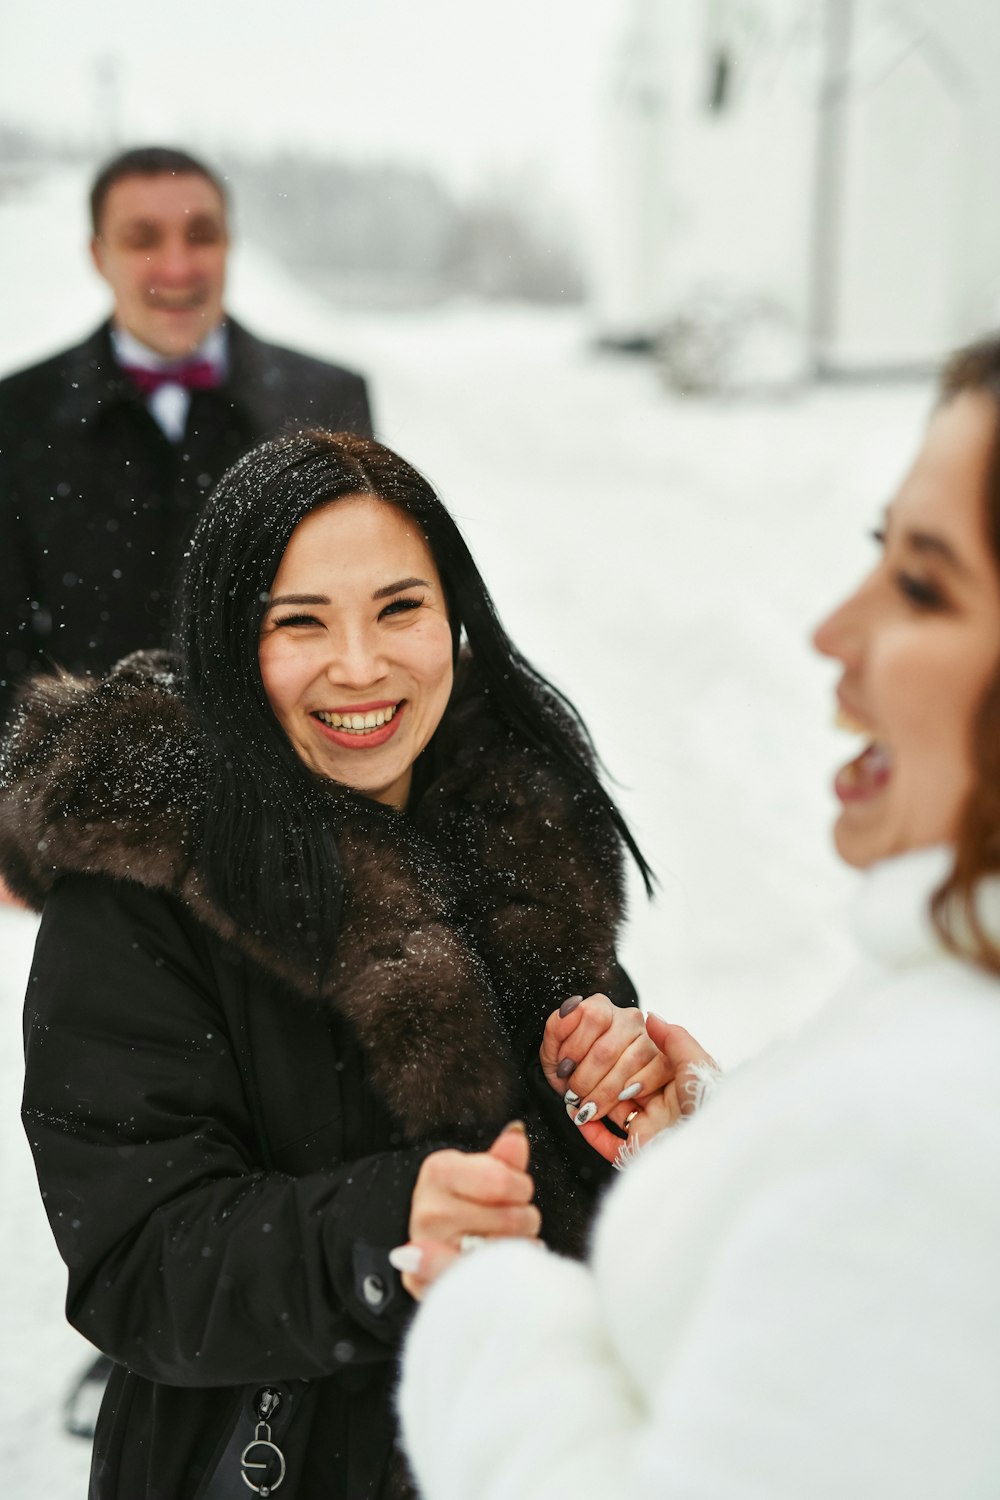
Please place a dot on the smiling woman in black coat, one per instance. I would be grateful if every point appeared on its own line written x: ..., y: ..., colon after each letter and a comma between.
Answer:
x: 311, y: 891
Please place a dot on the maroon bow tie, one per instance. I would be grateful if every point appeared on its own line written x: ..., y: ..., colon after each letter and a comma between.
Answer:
x: 196, y: 375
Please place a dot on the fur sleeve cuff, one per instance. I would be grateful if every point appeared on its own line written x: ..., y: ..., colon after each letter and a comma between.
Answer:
x: 513, y: 1330
x: 701, y: 1086
x: 703, y: 1082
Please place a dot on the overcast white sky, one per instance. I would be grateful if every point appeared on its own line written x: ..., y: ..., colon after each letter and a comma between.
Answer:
x: 460, y: 84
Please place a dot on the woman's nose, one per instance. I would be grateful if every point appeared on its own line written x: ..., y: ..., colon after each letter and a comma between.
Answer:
x: 356, y: 662
x: 839, y: 634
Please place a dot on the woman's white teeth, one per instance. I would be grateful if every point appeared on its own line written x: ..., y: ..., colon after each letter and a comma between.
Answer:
x: 845, y: 720
x: 874, y: 761
x: 358, y: 723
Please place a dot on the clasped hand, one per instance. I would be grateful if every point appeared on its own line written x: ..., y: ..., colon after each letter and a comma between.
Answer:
x: 611, y: 1065
x: 461, y: 1197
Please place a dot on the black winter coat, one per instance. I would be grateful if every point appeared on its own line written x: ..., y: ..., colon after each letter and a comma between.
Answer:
x: 96, y: 504
x: 226, y: 1155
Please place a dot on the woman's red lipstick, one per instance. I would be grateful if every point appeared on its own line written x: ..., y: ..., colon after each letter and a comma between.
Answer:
x: 360, y: 739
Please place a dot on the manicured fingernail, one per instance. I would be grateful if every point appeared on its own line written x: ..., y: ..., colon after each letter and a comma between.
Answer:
x: 569, y: 1006
x: 406, y: 1258
x: 517, y: 1125
x: 570, y: 1097
x: 630, y: 1092
x: 565, y: 1068
x: 586, y: 1114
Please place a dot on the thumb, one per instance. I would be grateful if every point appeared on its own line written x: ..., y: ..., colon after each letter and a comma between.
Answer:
x: 659, y: 1031
x: 677, y: 1045
x: 511, y: 1146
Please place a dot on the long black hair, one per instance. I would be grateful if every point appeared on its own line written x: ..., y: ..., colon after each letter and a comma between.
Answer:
x: 263, y: 850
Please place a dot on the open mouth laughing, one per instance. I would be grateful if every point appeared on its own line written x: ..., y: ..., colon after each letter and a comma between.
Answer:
x: 869, y: 772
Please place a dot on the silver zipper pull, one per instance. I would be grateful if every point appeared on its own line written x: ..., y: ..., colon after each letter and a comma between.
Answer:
x: 264, y: 1451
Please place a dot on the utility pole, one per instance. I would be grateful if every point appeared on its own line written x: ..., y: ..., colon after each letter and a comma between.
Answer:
x: 107, y: 102
x: 838, y: 29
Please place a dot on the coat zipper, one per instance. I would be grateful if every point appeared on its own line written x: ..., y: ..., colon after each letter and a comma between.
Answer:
x: 262, y: 1463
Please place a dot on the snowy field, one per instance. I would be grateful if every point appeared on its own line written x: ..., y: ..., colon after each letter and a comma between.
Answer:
x: 662, y: 560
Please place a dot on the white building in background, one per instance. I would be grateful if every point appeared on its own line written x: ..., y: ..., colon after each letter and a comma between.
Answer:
x: 824, y: 170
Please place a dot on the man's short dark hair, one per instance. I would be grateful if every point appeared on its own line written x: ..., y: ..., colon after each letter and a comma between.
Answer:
x: 146, y: 161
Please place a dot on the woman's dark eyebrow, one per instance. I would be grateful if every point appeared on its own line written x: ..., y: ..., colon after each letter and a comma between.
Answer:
x: 295, y: 599
x: 397, y: 588
x: 936, y: 546
x: 382, y: 593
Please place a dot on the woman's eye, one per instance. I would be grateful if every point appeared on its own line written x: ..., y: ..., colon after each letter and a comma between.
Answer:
x: 295, y: 620
x: 400, y: 606
x: 919, y: 592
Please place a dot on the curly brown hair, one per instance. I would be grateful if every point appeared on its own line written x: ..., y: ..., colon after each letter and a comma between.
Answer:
x: 976, y: 368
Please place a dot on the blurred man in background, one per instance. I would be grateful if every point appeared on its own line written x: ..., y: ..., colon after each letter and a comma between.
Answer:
x: 108, y: 449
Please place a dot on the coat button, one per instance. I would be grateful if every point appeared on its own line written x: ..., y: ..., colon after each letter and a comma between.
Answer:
x: 373, y: 1289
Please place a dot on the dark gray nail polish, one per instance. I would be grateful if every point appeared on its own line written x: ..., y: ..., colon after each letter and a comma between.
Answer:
x: 565, y: 1068
x: 569, y: 1006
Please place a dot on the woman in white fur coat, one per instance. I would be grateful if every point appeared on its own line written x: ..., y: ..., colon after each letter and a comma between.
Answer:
x: 795, y: 1294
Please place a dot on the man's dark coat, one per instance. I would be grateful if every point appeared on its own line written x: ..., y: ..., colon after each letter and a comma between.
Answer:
x: 96, y: 504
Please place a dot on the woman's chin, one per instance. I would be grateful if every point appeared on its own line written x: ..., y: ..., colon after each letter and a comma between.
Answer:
x: 393, y: 789
x: 857, y: 847
x: 863, y: 847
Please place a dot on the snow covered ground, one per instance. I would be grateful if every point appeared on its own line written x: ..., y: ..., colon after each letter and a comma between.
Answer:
x: 661, y: 559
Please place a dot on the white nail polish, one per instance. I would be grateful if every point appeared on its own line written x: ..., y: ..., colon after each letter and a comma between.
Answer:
x: 630, y: 1092
x: 570, y: 1097
x: 406, y: 1258
x: 586, y: 1114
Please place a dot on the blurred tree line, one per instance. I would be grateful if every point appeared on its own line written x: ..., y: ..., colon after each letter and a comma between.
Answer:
x: 395, y: 232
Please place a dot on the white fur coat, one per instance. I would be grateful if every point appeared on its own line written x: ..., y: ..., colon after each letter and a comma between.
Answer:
x: 793, y: 1296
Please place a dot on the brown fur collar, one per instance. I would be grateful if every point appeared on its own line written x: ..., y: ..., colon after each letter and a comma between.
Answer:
x: 465, y: 923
